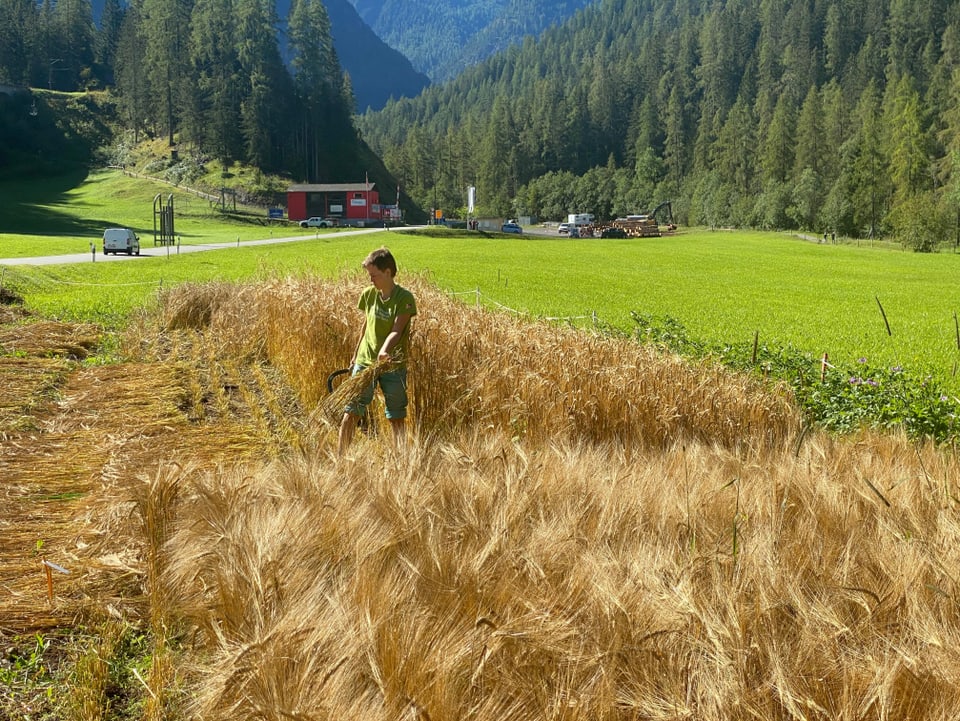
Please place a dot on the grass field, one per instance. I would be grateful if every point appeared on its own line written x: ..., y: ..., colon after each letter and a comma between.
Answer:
x: 64, y: 215
x: 773, y: 303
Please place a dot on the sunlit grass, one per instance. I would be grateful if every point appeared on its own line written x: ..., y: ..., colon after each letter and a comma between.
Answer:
x: 721, y: 287
x: 39, y: 221
x: 727, y: 287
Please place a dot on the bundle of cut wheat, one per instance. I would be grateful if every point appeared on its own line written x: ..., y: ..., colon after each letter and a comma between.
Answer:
x: 332, y: 407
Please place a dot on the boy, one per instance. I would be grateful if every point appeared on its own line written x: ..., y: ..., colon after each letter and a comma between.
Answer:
x: 385, y: 335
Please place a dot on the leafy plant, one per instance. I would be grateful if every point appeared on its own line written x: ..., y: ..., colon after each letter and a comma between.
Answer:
x: 838, y: 398
x: 26, y: 681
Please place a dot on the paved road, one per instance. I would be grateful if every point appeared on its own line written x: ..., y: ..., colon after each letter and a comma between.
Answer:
x: 163, y: 251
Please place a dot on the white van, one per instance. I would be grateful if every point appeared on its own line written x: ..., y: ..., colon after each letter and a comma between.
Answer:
x: 120, y: 240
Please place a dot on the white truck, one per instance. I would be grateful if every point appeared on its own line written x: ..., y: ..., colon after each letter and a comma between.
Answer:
x: 578, y: 220
x: 120, y: 240
x: 317, y: 222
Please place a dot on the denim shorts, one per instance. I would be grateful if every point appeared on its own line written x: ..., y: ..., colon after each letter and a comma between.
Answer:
x: 394, y: 387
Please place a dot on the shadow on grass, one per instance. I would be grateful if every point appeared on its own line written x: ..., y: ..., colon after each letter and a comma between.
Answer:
x: 31, y: 206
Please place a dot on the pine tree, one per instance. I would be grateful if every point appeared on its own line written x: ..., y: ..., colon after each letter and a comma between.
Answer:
x: 214, y: 117
x: 869, y: 183
x: 675, y: 144
x: 836, y: 128
x: 910, y: 164
x: 131, y: 73
x: 108, y: 38
x: 771, y: 48
x: 18, y: 39
x: 912, y: 23
x: 267, y: 92
x: 322, y: 120
x: 605, y: 107
x: 809, y: 136
x: 734, y: 151
x: 777, y: 147
x: 72, y: 24
x: 164, y: 26
x: 497, y: 172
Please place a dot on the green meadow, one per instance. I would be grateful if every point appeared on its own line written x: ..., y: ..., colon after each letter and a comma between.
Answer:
x: 891, y: 307
x: 44, y: 216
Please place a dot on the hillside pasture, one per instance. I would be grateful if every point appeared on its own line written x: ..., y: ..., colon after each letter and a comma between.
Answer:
x: 579, y: 527
x: 63, y: 215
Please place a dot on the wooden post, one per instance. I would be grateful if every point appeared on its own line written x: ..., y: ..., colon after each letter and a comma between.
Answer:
x: 49, y: 568
x: 49, y: 581
x: 883, y: 313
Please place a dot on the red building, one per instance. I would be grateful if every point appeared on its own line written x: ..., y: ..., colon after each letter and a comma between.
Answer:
x: 350, y: 203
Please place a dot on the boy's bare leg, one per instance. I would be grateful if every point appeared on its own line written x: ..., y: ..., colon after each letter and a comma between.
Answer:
x: 399, y: 432
x: 347, y: 427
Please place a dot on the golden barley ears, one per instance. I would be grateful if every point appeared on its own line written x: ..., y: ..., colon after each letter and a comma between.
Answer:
x: 481, y: 580
x: 581, y: 528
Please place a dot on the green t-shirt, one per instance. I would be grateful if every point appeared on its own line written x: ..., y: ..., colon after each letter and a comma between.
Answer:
x: 381, y: 315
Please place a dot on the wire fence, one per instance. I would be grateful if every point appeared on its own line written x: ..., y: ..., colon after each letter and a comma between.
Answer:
x: 481, y: 299
x: 78, y: 283
x: 209, y: 197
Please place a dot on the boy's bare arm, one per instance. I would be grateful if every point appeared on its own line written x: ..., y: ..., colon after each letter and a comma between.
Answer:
x: 399, y: 324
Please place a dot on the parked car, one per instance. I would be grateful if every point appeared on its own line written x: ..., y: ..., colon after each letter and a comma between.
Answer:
x: 563, y: 228
x: 613, y: 233
x: 510, y: 228
x: 317, y: 222
x: 120, y: 240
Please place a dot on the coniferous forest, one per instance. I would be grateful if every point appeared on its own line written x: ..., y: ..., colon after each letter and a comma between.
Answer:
x: 204, y: 73
x: 838, y: 116
x: 820, y: 115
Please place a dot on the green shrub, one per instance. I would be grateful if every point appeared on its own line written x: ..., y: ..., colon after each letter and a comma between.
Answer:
x: 842, y: 399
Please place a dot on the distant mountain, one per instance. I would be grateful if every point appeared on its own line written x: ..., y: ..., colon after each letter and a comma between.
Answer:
x: 443, y: 37
x: 377, y: 71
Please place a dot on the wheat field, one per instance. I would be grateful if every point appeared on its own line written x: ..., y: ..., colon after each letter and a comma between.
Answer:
x: 577, y: 528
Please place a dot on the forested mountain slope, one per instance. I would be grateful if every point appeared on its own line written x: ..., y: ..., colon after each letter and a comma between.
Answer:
x: 377, y: 71
x: 443, y: 37
x: 210, y: 76
x: 839, y: 114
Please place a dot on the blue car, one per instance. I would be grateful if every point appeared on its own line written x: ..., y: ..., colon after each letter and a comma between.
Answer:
x: 510, y: 228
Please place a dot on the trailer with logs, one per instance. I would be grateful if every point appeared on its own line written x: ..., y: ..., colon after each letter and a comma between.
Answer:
x: 640, y: 225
